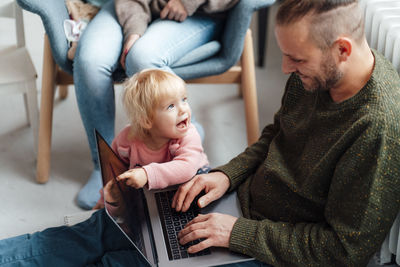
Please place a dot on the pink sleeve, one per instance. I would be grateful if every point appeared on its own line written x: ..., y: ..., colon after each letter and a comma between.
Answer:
x: 187, y: 159
x: 121, y: 144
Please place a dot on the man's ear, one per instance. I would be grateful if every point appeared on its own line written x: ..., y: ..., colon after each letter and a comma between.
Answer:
x: 146, y: 123
x: 342, y: 48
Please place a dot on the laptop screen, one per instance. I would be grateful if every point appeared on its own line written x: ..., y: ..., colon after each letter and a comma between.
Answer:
x: 128, y: 211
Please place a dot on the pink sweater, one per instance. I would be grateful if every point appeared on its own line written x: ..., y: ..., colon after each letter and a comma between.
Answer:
x: 175, y: 163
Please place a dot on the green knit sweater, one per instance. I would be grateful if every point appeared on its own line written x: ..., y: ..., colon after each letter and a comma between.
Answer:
x: 321, y: 187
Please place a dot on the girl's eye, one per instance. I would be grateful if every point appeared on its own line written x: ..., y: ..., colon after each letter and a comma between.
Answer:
x: 171, y: 106
x: 184, y: 99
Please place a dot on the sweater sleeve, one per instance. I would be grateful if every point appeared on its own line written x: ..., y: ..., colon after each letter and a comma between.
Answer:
x: 133, y: 15
x: 188, y: 158
x: 362, y: 202
x: 208, y: 6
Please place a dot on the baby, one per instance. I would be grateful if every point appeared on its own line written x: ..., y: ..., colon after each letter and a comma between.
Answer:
x: 161, y: 146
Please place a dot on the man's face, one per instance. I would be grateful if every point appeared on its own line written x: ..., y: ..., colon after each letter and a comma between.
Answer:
x: 316, y: 68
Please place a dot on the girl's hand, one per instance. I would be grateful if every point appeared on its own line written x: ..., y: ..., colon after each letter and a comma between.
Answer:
x: 127, y: 46
x: 136, y: 177
x: 174, y: 10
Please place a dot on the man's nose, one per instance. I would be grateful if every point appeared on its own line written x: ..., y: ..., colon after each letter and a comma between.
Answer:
x: 287, y: 66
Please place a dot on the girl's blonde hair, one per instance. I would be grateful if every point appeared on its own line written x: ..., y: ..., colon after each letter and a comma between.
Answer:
x: 143, y: 93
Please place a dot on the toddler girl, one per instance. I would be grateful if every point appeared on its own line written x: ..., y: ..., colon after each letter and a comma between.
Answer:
x: 161, y: 146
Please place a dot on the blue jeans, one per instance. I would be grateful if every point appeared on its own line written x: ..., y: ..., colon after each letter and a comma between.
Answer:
x: 97, y: 60
x: 94, y: 242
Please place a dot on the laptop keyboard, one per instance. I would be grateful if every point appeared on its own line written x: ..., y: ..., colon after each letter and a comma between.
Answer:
x: 172, y: 222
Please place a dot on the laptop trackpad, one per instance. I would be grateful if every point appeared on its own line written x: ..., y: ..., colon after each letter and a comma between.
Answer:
x: 227, y: 204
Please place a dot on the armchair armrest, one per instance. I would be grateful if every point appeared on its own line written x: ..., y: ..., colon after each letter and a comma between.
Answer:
x: 53, y: 13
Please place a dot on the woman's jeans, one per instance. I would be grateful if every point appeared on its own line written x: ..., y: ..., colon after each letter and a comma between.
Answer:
x: 97, y: 58
x: 94, y: 242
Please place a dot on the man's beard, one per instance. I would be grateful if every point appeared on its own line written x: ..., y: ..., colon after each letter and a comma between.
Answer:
x: 331, y: 76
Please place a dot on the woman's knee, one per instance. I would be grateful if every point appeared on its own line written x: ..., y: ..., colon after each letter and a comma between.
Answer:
x: 143, y: 57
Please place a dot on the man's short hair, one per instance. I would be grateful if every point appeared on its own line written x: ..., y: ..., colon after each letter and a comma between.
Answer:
x: 329, y: 19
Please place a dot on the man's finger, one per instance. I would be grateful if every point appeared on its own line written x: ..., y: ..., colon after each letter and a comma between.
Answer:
x: 197, y: 187
x: 194, y: 235
x: 195, y: 224
x: 180, y: 195
x: 207, y: 198
x: 199, y: 218
x: 200, y: 246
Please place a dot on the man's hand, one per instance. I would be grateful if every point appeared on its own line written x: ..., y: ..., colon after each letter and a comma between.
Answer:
x: 214, y: 184
x: 127, y: 46
x: 136, y: 177
x: 215, y: 228
x: 174, y: 10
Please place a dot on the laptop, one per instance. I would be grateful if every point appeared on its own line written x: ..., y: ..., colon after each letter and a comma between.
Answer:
x: 150, y: 224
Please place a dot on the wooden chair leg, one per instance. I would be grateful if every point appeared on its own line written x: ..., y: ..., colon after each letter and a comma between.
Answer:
x: 46, y: 114
x: 249, y: 90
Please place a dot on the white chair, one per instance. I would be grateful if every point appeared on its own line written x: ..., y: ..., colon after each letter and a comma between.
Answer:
x: 17, y: 73
x: 386, y: 25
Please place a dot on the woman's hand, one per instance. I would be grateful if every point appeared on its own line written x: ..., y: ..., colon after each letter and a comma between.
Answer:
x: 127, y: 46
x: 136, y: 177
x: 174, y: 10
x: 214, y: 228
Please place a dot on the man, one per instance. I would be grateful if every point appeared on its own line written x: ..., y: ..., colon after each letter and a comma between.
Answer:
x: 321, y: 187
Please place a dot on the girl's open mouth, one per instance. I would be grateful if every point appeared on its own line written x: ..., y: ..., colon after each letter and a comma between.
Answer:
x: 182, y: 124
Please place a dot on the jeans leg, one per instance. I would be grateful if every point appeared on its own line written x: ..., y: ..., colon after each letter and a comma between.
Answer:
x: 120, y: 258
x: 96, y: 59
x: 166, y: 41
x: 77, y: 245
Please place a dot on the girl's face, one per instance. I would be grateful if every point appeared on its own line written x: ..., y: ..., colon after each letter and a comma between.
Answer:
x: 172, y: 117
